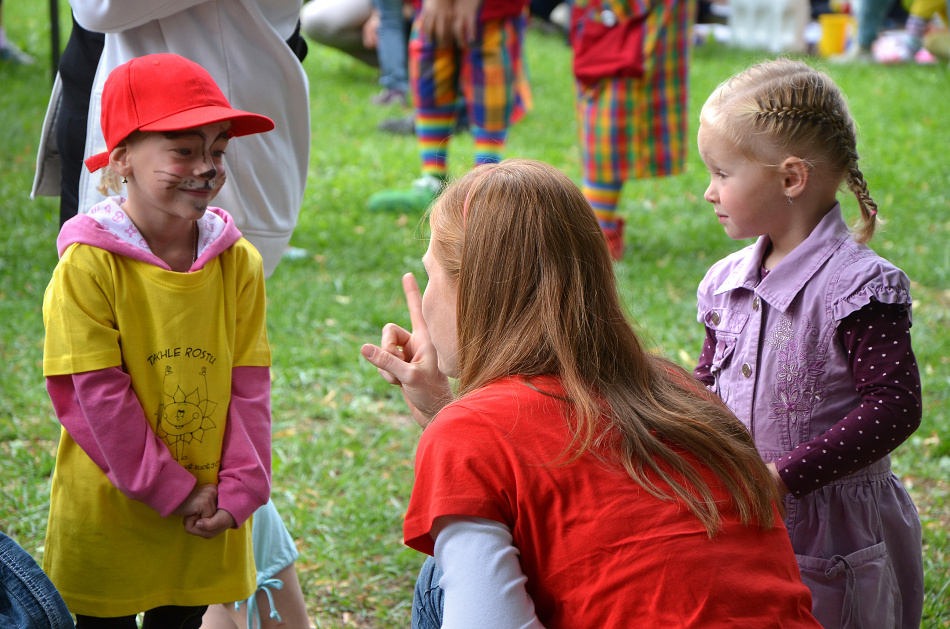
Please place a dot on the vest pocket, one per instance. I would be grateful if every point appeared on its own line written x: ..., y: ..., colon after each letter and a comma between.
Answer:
x: 725, y: 346
x: 726, y: 326
x: 725, y: 320
x: 857, y: 591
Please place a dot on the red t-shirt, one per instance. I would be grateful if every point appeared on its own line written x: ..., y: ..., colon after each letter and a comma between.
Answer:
x: 597, y: 549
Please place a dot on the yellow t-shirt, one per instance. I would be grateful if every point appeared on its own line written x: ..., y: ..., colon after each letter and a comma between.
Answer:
x: 177, y: 335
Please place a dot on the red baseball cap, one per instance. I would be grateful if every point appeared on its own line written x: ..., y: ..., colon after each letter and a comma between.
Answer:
x: 165, y: 92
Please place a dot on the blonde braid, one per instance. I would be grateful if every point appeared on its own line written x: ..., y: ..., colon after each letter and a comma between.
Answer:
x: 859, y: 187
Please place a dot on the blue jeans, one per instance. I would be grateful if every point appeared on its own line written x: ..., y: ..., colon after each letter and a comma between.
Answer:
x: 28, y: 599
x: 391, y: 46
x: 428, y: 599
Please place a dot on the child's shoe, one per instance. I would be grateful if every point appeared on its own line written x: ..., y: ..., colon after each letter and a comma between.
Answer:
x: 423, y: 191
x: 390, y: 97
x: 614, y: 236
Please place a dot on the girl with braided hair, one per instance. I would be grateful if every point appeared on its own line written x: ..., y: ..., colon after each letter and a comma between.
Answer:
x: 808, y: 338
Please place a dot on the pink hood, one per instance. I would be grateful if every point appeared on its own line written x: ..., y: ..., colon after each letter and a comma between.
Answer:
x: 107, y: 227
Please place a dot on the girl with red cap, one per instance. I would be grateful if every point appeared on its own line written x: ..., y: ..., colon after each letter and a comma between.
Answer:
x: 157, y: 363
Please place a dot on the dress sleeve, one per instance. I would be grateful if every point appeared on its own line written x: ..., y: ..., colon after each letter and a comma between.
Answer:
x: 102, y: 414
x: 244, y: 477
x: 886, y: 375
x: 703, y: 370
x: 482, y: 578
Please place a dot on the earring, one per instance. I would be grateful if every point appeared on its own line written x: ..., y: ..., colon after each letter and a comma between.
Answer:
x: 789, y: 197
x: 124, y: 180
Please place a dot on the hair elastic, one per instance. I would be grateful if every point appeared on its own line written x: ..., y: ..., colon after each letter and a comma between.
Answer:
x: 469, y: 194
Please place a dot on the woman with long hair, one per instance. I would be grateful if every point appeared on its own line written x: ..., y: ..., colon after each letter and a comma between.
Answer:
x: 570, y: 478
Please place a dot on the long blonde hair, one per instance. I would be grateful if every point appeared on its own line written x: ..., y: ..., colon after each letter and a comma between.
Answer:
x: 783, y: 108
x: 537, y: 296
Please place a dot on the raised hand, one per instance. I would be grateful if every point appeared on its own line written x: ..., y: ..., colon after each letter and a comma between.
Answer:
x: 409, y: 360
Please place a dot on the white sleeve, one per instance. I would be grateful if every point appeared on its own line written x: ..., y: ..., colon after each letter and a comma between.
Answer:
x: 113, y: 16
x: 482, y: 578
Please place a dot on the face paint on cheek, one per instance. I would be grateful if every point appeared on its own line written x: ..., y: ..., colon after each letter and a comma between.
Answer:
x: 218, y: 181
x: 171, y: 179
x: 190, y: 183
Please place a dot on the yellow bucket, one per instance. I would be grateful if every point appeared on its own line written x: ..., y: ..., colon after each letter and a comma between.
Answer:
x: 836, y: 30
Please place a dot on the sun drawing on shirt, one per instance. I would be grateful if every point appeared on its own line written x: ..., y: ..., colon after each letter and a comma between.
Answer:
x: 184, y: 417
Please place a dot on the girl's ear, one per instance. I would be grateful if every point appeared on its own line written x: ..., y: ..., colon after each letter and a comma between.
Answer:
x: 119, y: 160
x: 794, y: 176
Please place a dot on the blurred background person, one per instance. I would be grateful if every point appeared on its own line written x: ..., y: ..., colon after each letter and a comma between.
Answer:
x: 9, y: 52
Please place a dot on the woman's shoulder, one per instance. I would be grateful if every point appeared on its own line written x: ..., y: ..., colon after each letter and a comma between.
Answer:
x: 504, y: 426
x: 520, y: 390
x: 500, y: 406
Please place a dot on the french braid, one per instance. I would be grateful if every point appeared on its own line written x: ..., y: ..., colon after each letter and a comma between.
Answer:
x: 785, y: 107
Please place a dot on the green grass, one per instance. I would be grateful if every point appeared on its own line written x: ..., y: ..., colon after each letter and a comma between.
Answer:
x: 343, y: 445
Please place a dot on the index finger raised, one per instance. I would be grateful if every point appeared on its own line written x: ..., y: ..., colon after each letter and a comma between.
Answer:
x: 414, y: 303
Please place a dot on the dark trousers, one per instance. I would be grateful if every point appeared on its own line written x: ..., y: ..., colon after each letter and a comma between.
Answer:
x: 168, y: 617
x: 77, y: 71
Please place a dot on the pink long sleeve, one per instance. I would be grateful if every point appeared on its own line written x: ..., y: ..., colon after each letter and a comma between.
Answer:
x: 102, y: 414
x: 244, y: 477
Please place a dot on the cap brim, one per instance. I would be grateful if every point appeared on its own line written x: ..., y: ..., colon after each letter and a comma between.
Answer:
x: 97, y: 161
x: 242, y: 122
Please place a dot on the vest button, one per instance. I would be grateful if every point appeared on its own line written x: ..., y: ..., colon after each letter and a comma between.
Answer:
x: 714, y: 317
x: 746, y: 369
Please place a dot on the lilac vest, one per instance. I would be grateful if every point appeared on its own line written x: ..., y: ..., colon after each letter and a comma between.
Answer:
x: 779, y: 367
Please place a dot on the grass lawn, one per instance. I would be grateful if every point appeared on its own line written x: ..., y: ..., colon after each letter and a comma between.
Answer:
x: 343, y: 446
